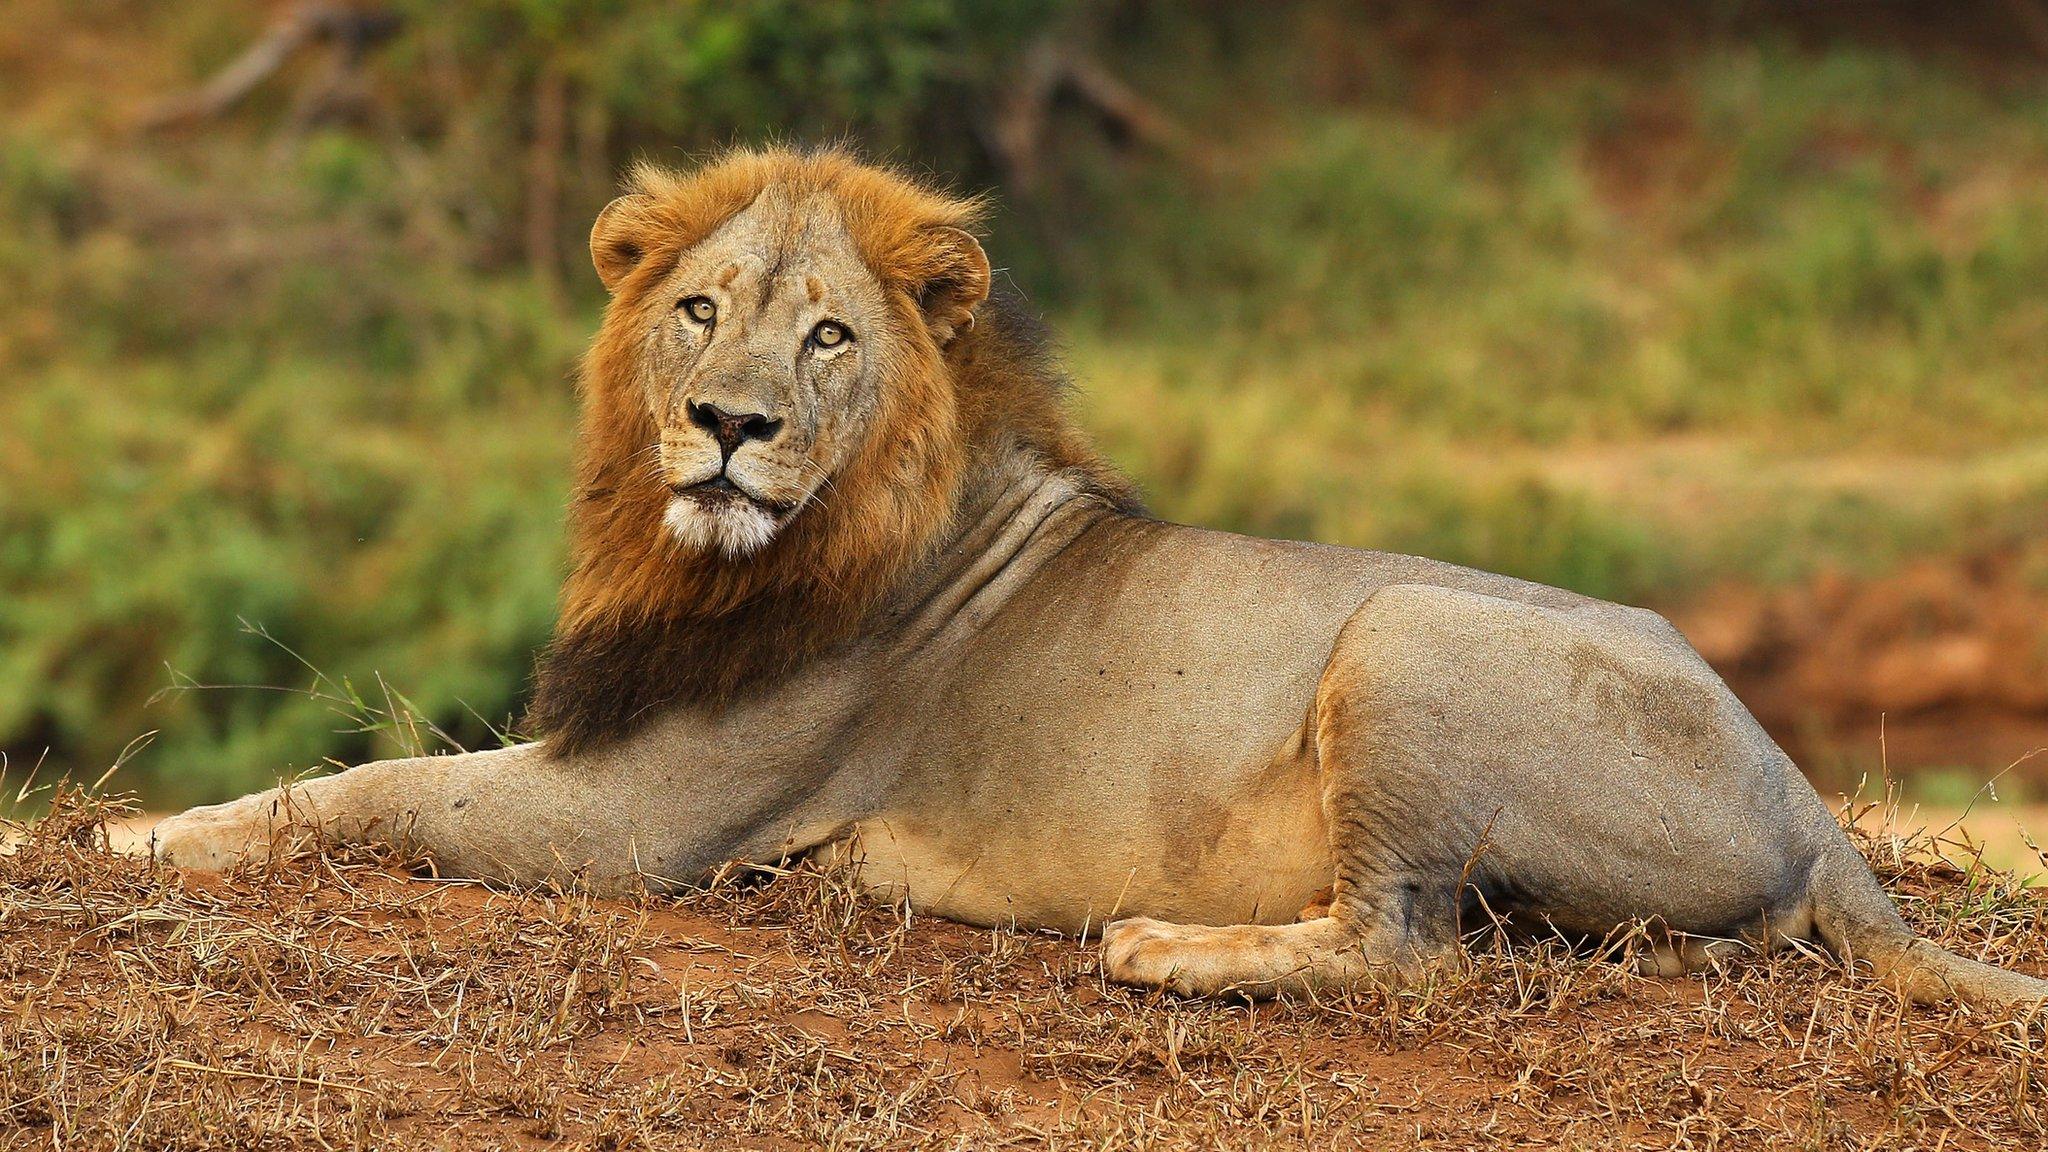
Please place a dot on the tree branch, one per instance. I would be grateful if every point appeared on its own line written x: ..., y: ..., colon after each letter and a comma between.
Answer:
x: 1049, y: 68
x: 352, y: 29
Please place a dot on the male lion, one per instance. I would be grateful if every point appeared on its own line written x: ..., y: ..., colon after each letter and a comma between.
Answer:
x: 847, y: 579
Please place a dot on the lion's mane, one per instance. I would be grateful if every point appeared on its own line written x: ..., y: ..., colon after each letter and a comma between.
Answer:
x: 643, y: 626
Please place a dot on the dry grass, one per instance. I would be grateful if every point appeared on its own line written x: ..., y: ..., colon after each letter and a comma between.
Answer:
x: 342, y: 1004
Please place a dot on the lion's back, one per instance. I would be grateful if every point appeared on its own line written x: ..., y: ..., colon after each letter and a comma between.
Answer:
x: 1209, y: 643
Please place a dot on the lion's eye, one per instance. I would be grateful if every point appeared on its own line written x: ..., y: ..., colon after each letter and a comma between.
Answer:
x: 700, y: 309
x: 830, y: 334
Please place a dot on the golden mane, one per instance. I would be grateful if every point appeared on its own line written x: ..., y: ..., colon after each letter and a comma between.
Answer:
x: 642, y: 626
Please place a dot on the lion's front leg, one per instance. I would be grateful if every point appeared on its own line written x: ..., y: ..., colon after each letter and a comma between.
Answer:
x: 513, y: 815
x: 500, y: 815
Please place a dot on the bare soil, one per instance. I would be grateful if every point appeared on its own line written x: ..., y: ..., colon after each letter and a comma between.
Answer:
x: 347, y: 1004
x: 1941, y: 664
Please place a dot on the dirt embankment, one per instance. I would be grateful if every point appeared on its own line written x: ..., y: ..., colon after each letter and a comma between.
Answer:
x: 1942, y: 664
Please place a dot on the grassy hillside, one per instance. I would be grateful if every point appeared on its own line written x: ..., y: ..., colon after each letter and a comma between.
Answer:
x: 1758, y: 302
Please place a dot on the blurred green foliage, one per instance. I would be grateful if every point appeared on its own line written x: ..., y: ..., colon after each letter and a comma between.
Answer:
x: 1624, y: 327
x: 361, y: 457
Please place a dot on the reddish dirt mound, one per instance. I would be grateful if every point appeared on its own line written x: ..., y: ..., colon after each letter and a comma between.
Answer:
x: 1949, y: 658
x: 325, y: 1004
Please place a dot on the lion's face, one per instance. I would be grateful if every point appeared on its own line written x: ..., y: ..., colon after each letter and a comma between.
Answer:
x: 763, y: 376
x: 763, y: 347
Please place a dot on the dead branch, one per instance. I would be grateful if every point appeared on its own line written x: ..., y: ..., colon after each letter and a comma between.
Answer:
x: 1052, y: 68
x: 1120, y: 104
x: 350, y: 29
x: 1019, y: 129
x: 2033, y: 20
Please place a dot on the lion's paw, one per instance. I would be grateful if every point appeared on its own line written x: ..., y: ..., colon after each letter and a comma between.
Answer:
x: 1150, y: 953
x: 214, y: 837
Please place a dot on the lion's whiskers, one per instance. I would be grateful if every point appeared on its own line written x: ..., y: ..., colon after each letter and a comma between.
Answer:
x: 816, y: 495
x: 649, y: 458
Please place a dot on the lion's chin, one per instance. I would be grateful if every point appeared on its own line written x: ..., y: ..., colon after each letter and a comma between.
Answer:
x: 735, y: 526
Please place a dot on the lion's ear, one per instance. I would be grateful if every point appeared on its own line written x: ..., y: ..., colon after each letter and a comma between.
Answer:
x: 955, y: 283
x: 618, y: 241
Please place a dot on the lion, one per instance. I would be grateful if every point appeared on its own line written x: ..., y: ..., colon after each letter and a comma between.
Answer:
x: 847, y: 582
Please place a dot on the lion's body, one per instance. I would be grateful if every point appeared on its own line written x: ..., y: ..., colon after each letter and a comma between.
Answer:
x: 1039, y: 707
x: 1125, y: 730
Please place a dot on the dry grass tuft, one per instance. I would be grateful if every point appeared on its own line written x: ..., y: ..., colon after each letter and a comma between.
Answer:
x: 340, y: 1003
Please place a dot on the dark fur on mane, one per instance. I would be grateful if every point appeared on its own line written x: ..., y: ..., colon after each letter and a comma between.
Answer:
x: 594, y: 686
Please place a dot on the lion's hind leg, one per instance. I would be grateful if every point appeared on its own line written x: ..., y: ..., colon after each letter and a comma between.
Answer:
x: 1258, y: 960
x: 1393, y: 906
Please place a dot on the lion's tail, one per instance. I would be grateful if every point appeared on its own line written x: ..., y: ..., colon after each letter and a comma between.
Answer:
x: 1857, y: 921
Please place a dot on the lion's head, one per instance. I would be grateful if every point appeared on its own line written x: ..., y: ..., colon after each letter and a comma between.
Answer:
x: 772, y: 313
x: 789, y: 387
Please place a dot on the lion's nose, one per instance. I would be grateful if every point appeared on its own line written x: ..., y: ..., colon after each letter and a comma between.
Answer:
x: 732, y: 429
